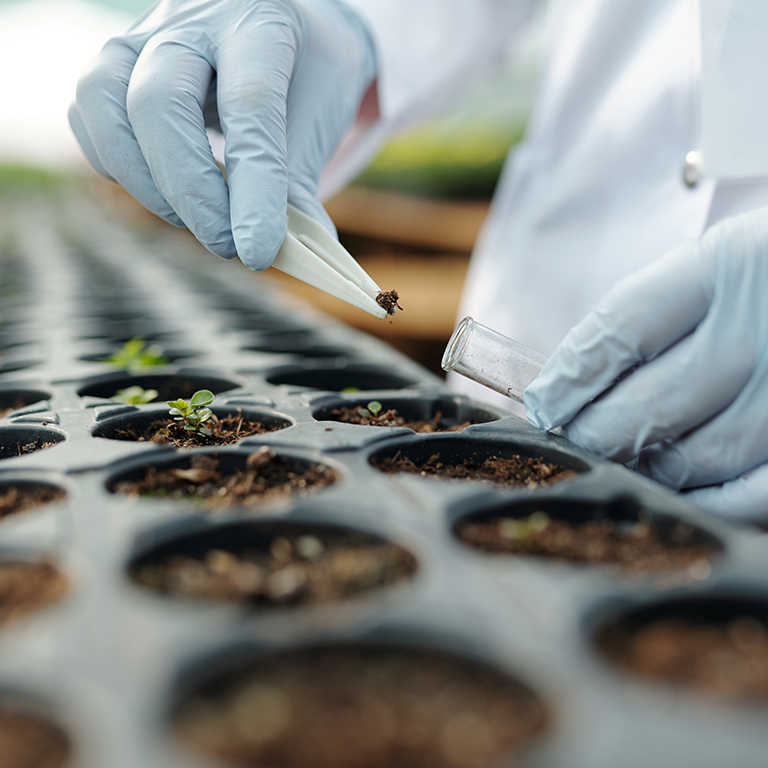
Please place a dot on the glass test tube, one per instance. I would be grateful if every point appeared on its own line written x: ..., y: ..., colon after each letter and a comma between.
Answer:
x: 491, y: 359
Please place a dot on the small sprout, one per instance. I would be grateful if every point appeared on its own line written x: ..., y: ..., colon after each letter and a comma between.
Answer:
x: 525, y: 528
x: 193, y: 412
x: 372, y: 410
x: 135, y: 395
x: 350, y: 390
x: 136, y: 354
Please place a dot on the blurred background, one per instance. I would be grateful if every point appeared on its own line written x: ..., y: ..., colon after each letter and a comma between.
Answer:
x: 411, y: 218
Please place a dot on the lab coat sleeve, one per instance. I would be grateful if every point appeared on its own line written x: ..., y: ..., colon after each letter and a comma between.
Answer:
x: 427, y: 51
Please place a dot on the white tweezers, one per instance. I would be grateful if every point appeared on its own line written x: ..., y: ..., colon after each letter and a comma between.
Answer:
x: 311, y: 254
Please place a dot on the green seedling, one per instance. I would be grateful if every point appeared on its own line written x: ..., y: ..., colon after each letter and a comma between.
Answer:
x: 193, y: 413
x: 372, y: 410
x: 526, y: 528
x: 136, y: 354
x: 135, y: 395
x: 350, y: 390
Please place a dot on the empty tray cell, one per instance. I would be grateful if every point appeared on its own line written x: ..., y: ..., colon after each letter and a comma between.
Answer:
x: 19, y: 441
x: 424, y: 414
x: 28, y: 739
x: 228, y: 426
x: 714, y: 645
x: 462, y: 458
x: 337, y: 378
x: 260, y: 321
x: 225, y: 479
x: 359, y: 706
x: 169, y: 386
x: 618, y: 533
x: 27, y: 587
x: 268, y: 564
x: 18, y: 363
x: 13, y: 399
x: 17, y: 496
x: 303, y: 343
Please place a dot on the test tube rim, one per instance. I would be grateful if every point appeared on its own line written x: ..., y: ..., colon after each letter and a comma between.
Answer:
x: 457, y: 343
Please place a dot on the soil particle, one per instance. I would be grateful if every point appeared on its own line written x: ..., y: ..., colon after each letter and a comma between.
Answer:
x: 27, y: 587
x: 265, y: 478
x: 15, y: 499
x: 388, y: 300
x: 637, y: 548
x: 514, y: 471
x: 391, y: 418
x: 336, y: 707
x: 225, y: 431
x: 727, y: 660
x: 27, y: 741
x: 295, y: 569
x: 35, y: 445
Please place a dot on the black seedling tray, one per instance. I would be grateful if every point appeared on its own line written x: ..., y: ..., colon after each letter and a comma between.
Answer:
x: 111, y: 660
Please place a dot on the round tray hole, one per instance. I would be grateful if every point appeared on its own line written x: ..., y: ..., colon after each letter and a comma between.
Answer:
x: 14, y: 399
x: 617, y: 533
x: 18, y: 496
x: 259, y: 321
x: 19, y: 441
x: 171, y: 354
x: 358, y: 706
x: 273, y: 564
x: 425, y: 415
x: 28, y: 587
x: 229, y: 426
x: 305, y: 344
x: 462, y: 458
x: 29, y: 739
x: 337, y: 379
x: 712, y: 645
x: 168, y: 386
x: 222, y: 480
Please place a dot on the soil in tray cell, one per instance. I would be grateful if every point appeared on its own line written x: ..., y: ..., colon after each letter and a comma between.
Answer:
x: 725, y: 658
x: 362, y: 707
x: 19, y: 441
x: 27, y: 587
x: 27, y: 741
x: 634, y: 547
x: 513, y: 471
x: 13, y: 401
x: 16, y: 498
x: 225, y: 430
x: 288, y: 565
x: 391, y: 418
x: 264, y: 476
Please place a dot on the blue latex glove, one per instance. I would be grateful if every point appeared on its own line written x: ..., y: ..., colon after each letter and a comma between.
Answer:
x: 695, y: 409
x: 287, y: 77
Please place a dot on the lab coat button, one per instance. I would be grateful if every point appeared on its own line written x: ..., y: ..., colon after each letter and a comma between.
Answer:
x: 692, y: 169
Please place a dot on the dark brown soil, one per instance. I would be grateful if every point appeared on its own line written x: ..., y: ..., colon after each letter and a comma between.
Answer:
x: 35, y: 445
x: 265, y: 478
x: 727, y: 660
x: 391, y: 418
x: 295, y: 570
x: 5, y: 410
x: 388, y: 300
x: 16, y: 499
x: 225, y: 431
x: 27, y: 741
x: 363, y: 708
x: 636, y: 549
x: 515, y: 471
x: 28, y: 587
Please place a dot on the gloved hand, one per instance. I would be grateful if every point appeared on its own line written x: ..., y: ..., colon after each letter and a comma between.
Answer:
x: 287, y: 76
x: 694, y: 410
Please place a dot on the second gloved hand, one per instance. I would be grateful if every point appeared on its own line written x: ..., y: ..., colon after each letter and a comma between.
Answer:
x: 287, y: 77
x: 688, y: 336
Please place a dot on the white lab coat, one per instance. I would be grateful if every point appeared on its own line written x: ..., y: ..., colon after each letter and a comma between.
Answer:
x: 596, y: 189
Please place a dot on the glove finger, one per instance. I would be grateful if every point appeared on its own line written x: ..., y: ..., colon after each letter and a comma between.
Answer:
x: 744, y: 499
x: 101, y: 97
x: 637, y: 319
x: 84, y: 140
x: 733, y: 442
x: 165, y: 102
x: 254, y: 73
x: 665, y: 398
